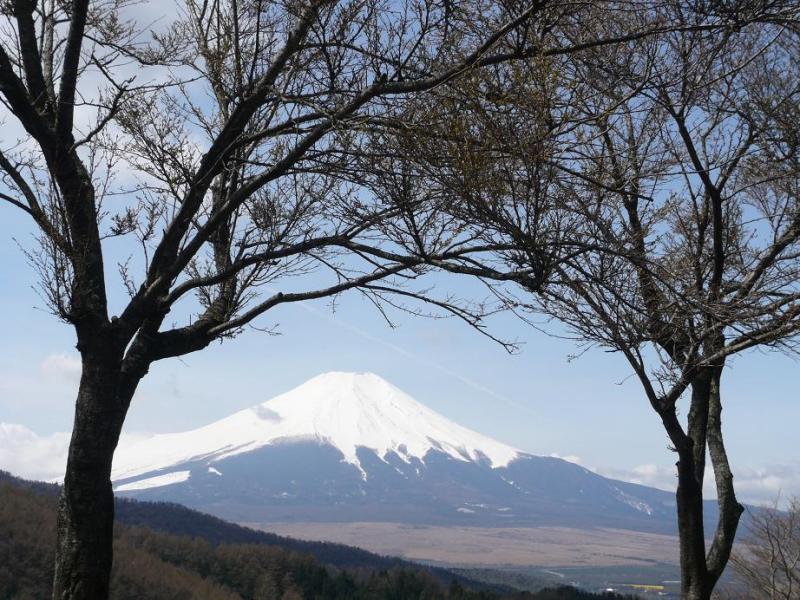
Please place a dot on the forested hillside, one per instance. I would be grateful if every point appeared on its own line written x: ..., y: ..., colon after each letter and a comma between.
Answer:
x: 176, y: 519
x: 156, y: 565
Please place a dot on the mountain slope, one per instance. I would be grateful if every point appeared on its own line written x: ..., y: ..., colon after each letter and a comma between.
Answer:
x: 349, y: 447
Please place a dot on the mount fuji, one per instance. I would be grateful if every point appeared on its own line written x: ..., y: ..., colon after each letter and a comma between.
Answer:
x: 347, y: 447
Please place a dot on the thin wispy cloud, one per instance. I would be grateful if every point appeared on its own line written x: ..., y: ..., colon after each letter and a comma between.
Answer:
x: 471, y: 383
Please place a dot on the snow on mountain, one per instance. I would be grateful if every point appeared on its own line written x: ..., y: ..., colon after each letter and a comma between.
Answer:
x: 345, y: 410
x: 351, y: 447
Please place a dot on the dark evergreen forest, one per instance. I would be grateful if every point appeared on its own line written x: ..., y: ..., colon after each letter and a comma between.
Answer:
x: 168, y: 552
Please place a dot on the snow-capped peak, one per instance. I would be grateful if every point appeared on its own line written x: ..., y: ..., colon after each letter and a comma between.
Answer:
x: 345, y: 410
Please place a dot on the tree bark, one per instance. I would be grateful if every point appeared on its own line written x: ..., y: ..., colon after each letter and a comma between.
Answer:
x: 691, y: 532
x: 700, y: 571
x: 86, y: 506
x: 730, y: 511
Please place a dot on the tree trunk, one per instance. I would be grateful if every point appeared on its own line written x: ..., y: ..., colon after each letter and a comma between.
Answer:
x: 730, y: 511
x: 691, y: 532
x: 700, y: 571
x: 691, y: 472
x: 86, y: 506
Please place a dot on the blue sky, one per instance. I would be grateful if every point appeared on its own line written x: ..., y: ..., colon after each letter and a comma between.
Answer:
x: 588, y: 409
x: 539, y: 400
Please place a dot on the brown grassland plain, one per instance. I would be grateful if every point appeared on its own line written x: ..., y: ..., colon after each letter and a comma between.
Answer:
x: 483, y: 546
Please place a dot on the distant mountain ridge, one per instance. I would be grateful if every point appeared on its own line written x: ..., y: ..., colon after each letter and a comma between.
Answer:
x: 349, y: 447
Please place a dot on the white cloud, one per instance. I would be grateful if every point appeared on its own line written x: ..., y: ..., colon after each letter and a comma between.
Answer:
x: 753, y: 485
x: 657, y: 476
x: 766, y: 484
x: 24, y: 453
x: 569, y: 457
x: 28, y: 455
x: 62, y: 366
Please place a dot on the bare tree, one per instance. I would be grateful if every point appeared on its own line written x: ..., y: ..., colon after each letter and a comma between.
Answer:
x: 653, y: 189
x: 216, y: 160
x: 767, y: 560
x: 223, y: 156
x: 702, y: 267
